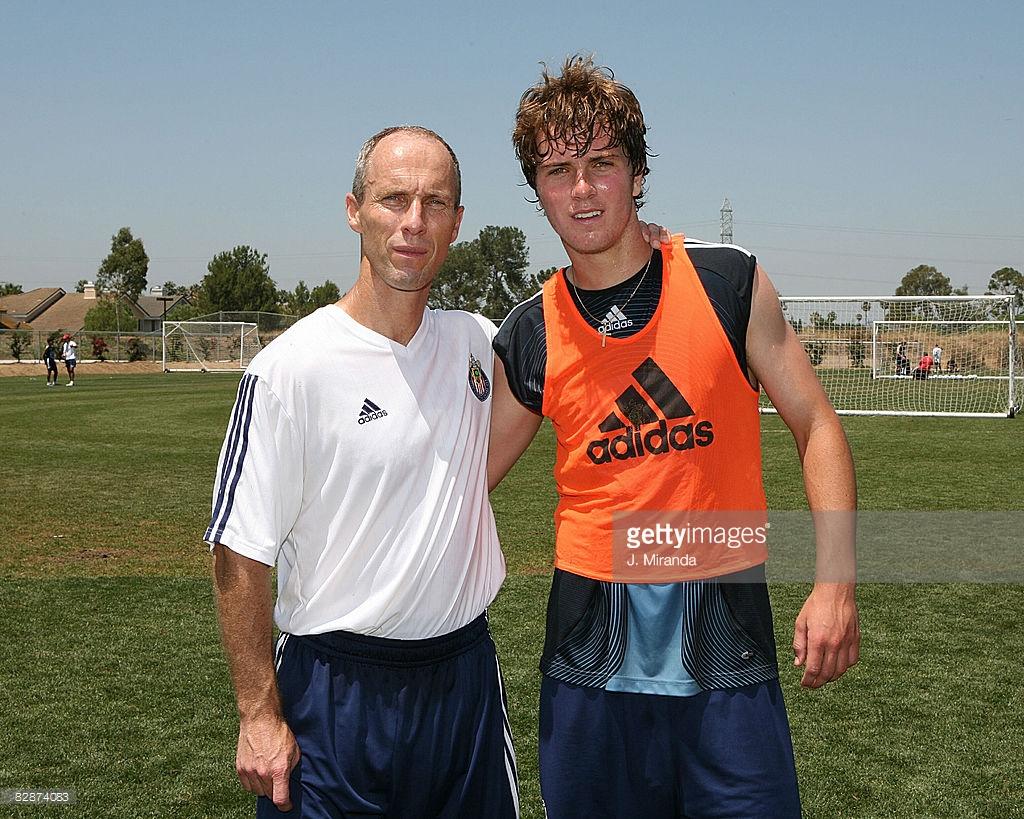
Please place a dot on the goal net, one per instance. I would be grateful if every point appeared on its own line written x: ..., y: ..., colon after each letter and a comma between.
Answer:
x: 209, y: 346
x: 894, y: 355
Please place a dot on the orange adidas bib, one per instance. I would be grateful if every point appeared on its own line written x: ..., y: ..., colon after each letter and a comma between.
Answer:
x: 659, y: 427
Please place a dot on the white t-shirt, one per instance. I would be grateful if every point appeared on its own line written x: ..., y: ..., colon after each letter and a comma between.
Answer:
x: 359, y: 467
x: 936, y: 353
x: 70, y: 351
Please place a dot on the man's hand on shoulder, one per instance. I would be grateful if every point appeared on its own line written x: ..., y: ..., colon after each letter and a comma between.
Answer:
x: 267, y: 753
x: 826, y: 640
x: 655, y: 235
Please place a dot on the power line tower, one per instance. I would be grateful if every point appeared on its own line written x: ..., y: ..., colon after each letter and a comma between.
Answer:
x: 726, y: 222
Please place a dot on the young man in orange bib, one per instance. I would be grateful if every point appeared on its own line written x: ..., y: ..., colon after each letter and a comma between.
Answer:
x: 660, y: 695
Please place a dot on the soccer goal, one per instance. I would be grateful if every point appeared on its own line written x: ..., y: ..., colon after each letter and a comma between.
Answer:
x: 209, y: 346
x: 909, y: 355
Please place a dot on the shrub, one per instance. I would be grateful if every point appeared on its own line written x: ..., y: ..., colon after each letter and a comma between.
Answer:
x: 137, y: 349
x: 20, y: 341
x: 99, y: 348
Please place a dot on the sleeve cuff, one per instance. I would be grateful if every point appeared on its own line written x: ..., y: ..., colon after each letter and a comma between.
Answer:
x: 242, y: 548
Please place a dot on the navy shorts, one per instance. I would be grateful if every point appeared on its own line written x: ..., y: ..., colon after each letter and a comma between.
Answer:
x: 620, y: 755
x: 397, y: 728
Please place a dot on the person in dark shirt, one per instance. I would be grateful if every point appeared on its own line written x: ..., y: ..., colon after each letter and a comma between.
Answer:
x: 660, y: 697
x: 50, y: 359
x: 902, y: 362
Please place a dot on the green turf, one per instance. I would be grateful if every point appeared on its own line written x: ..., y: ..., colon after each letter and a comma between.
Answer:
x: 113, y: 682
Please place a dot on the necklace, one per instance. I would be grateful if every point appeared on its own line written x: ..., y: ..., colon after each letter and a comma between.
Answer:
x: 602, y: 326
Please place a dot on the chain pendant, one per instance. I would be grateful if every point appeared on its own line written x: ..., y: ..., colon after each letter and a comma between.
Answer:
x: 604, y: 334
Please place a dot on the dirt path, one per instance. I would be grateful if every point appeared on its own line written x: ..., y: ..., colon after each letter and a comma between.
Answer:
x: 84, y: 369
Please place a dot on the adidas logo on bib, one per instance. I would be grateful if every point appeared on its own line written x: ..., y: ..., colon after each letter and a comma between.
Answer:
x: 370, y: 412
x: 615, y: 320
x: 635, y: 442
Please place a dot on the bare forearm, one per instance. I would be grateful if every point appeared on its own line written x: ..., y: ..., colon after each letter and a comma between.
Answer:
x: 245, y: 608
x: 831, y: 487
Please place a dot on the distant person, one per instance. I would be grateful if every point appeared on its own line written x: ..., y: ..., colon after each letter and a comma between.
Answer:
x: 937, y: 358
x: 924, y: 367
x: 952, y: 366
x: 902, y: 362
x: 50, y: 360
x: 69, y: 352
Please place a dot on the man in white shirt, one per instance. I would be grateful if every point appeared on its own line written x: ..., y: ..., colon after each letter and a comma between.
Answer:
x: 69, y: 352
x: 368, y: 490
x: 937, y: 358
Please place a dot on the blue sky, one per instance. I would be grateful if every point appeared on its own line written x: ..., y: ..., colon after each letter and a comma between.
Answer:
x: 853, y: 140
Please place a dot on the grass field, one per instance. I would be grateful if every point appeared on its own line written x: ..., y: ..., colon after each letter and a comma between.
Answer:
x: 113, y: 683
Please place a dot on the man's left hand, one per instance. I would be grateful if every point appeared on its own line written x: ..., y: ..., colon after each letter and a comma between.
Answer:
x: 826, y: 640
x: 656, y: 235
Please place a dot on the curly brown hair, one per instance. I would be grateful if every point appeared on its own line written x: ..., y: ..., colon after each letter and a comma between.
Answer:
x: 572, y: 109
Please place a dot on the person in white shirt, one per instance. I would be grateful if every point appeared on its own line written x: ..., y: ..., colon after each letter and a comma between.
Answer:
x: 937, y: 358
x: 69, y: 352
x: 368, y: 490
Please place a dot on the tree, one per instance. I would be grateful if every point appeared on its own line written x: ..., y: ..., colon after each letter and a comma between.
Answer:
x: 459, y: 284
x: 238, y: 280
x: 486, y: 275
x: 324, y: 294
x: 924, y: 280
x: 122, y: 275
x: 820, y: 322
x: 297, y: 302
x: 109, y: 315
x: 174, y: 289
x: 184, y: 311
x: 10, y: 289
x: 123, y: 272
x: 1007, y: 282
x: 302, y: 301
x: 506, y: 257
x: 80, y: 286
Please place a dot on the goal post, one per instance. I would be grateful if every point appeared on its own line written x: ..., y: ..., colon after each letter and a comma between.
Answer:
x: 209, y: 346
x: 910, y: 355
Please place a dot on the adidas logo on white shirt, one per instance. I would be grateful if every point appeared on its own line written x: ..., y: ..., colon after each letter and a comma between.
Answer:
x: 370, y: 412
x: 615, y: 320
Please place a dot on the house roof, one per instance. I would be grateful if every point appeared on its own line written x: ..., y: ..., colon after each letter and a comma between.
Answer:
x: 13, y: 324
x: 26, y: 306
x: 67, y: 314
x: 153, y: 307
x: 51, y: 308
